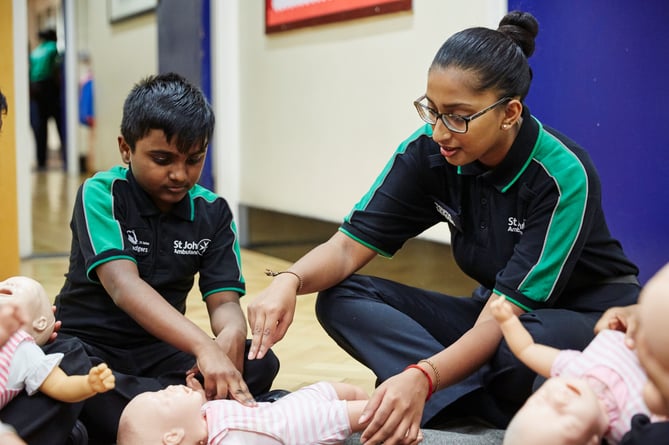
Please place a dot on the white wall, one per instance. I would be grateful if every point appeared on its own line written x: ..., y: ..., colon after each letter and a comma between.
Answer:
x: 323, y: 108
x: 121, y: 54
x: 306, y: 119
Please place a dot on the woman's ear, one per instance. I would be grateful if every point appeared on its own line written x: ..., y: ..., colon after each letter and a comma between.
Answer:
x: 174, y: 436
x: 512, y: 112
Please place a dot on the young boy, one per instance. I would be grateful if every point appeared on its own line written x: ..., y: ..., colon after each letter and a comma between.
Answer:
x: 322, y: 413
x: 140, y: 235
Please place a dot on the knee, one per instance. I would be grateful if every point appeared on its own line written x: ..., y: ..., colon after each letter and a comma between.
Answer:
x: 329, y: 301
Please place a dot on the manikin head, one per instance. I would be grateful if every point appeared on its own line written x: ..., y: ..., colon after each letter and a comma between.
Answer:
x: 562, y: 411
x: 35, y: 305
x: 169, y: 417
x: 651, y: 341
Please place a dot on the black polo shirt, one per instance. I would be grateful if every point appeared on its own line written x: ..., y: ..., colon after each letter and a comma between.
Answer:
x: 531, y: 229
x: 114, y: 218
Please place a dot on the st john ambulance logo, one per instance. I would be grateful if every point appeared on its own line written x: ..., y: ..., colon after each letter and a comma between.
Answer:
x: 182, y: 247
x: 515, y: 225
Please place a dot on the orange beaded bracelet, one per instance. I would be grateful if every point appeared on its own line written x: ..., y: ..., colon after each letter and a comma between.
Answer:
x: 427, y: 376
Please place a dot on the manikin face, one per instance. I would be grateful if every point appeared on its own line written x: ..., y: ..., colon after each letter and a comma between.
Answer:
x: 164, y: 173
x: 564, y: 409
x: 172, y: 414
x: 449, y: 91
x: 35, y: 305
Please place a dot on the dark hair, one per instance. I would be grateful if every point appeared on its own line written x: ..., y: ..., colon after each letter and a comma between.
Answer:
x: 497, y: 57
x: 48, y: 35
x: 168, y: 102
x: 3, y: 106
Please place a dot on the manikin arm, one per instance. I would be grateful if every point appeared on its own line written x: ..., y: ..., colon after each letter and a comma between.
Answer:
x: 537, y: 357
x: 75, y: 388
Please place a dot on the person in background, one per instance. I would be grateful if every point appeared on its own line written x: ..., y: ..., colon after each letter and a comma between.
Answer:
x: 523, y: 204
x: 45, y: 93
x: 3, y: 107
x: 141, y: 234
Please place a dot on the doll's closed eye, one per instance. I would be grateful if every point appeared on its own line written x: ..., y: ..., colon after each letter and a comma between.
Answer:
x: 574, y: 389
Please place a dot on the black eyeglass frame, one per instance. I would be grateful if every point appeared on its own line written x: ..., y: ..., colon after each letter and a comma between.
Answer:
x: 426, y: 113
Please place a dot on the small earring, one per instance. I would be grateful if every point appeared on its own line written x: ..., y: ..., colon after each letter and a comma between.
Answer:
x: 505, y: 126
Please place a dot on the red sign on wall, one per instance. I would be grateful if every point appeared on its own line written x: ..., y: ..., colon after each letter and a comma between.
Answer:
x: 282, y: 15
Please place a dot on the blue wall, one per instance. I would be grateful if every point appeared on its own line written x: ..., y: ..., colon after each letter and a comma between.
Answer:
x: 601, y: 75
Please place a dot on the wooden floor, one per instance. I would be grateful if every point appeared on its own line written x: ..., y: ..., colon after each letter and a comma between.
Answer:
x: 307, y: 354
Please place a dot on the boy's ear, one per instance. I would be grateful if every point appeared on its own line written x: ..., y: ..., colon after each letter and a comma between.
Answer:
x: 124, y: 149
x: 173, y: 436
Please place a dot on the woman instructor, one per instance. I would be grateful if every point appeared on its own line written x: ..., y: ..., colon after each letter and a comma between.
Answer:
x: 523, y: 203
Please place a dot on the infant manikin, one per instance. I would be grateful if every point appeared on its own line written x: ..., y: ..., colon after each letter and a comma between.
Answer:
x: 29, y: 367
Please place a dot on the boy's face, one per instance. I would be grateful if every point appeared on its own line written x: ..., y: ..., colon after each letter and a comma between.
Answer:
x: 164, y: 173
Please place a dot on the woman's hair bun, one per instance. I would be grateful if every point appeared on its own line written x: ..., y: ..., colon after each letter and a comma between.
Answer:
x: 522, y: 28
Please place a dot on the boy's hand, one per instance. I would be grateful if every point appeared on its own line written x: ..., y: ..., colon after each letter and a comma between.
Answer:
x: 100, y: 378
x: 501, y: 310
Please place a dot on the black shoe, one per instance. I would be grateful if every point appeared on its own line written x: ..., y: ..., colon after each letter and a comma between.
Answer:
x: 78, y: 435
x: 272, y: 396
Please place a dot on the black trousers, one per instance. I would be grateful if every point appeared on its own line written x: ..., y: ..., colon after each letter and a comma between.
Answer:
x: 45, y: 103
x: 41, y: 420
x: 387, y: 325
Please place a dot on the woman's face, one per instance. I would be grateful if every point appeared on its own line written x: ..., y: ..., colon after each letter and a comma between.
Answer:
x: 489, y: 136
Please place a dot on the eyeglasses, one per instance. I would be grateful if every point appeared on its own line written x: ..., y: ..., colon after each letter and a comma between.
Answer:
x: 454, y: 122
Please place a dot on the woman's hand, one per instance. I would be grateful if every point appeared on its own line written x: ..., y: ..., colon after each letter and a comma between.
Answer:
x: 271, y: 313
x: 56, y: 327
x: 622, y: 319
x: 395, y: 410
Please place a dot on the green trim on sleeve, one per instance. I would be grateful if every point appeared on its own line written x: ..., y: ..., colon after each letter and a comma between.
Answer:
x: 240, y: 291
x: 355, y: 238
x: 514, y: 301
x: 90, y: 270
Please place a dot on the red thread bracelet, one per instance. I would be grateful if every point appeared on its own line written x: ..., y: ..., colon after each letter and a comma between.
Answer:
x: 427, y: 376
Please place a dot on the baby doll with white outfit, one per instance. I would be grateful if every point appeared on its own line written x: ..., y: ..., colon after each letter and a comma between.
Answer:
x: 588, y: 396
x: 24, y: 365
x: 322, y: 413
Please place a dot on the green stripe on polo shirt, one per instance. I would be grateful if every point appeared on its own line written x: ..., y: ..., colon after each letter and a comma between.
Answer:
x: 200, y: 192
x: 566, y: 223
x: 104, y: 231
